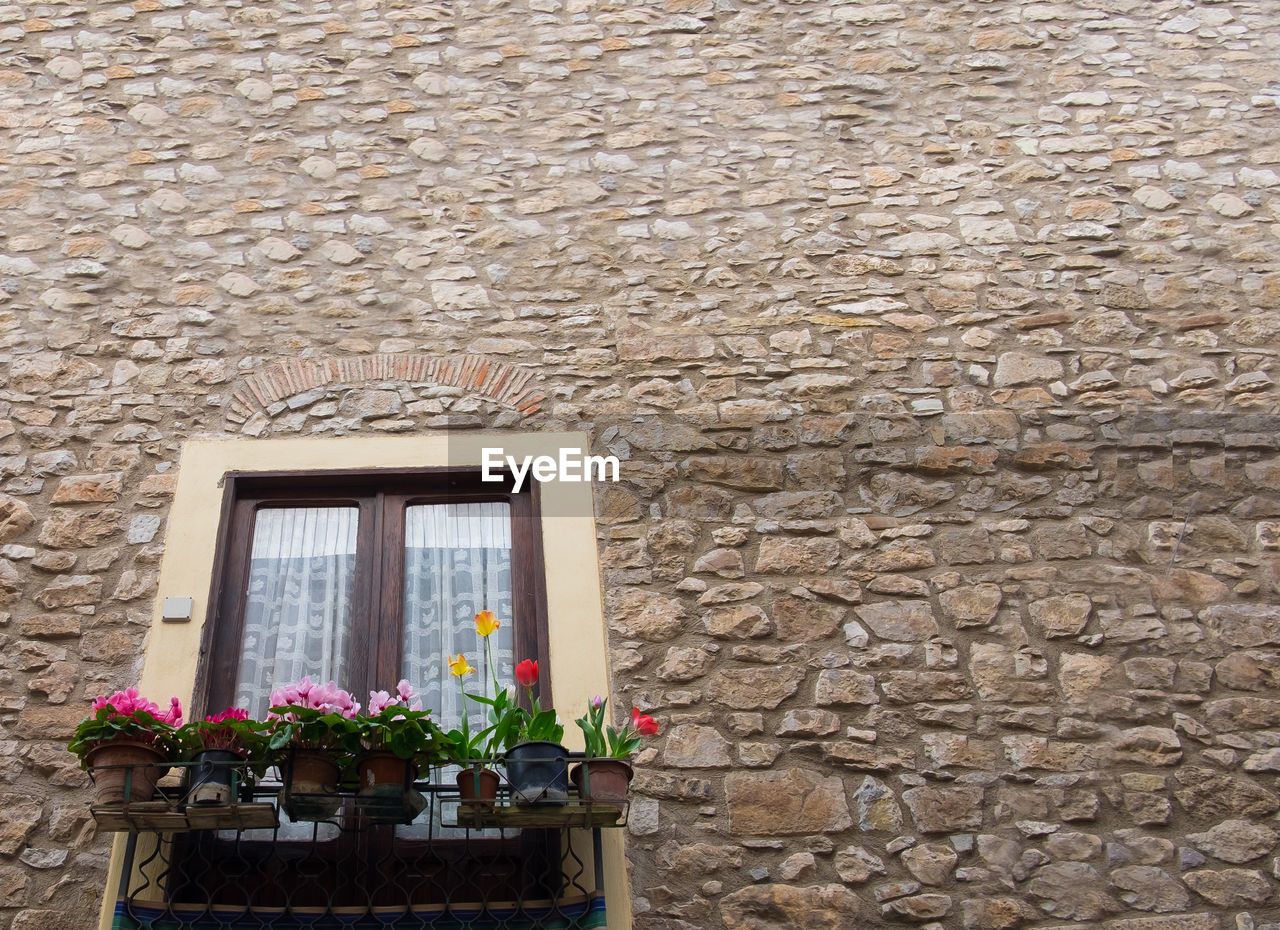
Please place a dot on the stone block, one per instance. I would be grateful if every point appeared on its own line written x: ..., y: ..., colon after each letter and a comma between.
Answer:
x: 15, y: 517
x: 754, y: 688
x: 13, y: 886
x: 1003, y: 674
x: 1147, y: 746
x: 85, y: 489
x: 877, y: 807
x: 1072, y: 891
x: 816, y: 907
x: 1229, y: 887
x: 693, y: 747
x: 786, y: 801
x: 70, y: 591
x: 1150, y: 889
x: 1243, y: 626
x: 868, y: 757
x: 647, y: 346
x: 739, y: 621
x: 684, y: 664
x: 801, y: 619
x: 930, y: 863
x: 902, y: 687
x: 739, y: 472
x: 1171, y: 922
x: 1014, y: 368
x: 698, y: 858
x: 996, y: 913
x: 944, y: 810
x: 1207, y: 794
x: 899, y: 621
x: 971, y: 605
x: 797, y: 556
x: 1065, y: 615
x: 79, y: 529
x: 855, y: 865
x: 838, y: 686
x: 808, y: 723
x: 1236, y: 841
x: 21, y: 815
x: 642, y: 614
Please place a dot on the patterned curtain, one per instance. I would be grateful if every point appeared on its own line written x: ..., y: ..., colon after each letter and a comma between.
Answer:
x: 457, y: 563
x: 298, y: 607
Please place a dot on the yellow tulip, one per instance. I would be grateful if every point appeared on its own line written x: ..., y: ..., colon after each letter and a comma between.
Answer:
x: 486, y: 622
x: 459, y: 667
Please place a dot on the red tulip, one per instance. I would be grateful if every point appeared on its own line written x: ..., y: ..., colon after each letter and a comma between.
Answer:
x: 643, y: 723
x: 527, y: 673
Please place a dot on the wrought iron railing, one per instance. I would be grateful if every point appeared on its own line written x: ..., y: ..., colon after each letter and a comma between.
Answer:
x: 248, y: 864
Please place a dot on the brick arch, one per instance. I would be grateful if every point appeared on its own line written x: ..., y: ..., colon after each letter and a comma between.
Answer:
x: 502, y: 383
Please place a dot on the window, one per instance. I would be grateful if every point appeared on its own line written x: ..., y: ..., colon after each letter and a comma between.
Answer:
x: 365, y: 578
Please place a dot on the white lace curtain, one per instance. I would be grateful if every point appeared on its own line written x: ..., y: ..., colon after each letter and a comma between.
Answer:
x: 298, y: 610
x: 299, y: 600
x: 457, y: 563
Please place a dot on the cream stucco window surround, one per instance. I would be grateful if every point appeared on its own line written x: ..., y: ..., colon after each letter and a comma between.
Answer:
x: 577, y: 643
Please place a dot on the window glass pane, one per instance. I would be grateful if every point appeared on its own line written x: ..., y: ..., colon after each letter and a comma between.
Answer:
x: 457, y: 563
x: 298, y: 604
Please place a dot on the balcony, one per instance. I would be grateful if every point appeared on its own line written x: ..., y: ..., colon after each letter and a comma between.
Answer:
x: 437, y: 863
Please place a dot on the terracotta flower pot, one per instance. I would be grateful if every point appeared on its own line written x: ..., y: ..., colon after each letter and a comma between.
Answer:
x: 380, y: 769
x: 122, y: 763
x: 602, y: 780
x: 313, y: 772
x: 386, y: 793
x: 478, y: 786
x: 311, y: 785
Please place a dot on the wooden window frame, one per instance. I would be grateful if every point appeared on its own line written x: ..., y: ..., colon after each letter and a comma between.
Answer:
x: 380, y: 547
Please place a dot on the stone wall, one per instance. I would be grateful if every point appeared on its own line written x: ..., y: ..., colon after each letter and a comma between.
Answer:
x: 936, y: 339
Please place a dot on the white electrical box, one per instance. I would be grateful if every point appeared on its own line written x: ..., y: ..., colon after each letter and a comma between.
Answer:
x: 176, y: 609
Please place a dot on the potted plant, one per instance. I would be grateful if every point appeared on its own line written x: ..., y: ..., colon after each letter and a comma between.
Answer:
x: 124, y: 744
x: 537, y: 763
x: 312, y: 729
x: 393, y: 739
x: 606, y: 773
x: 477, y: 783
x: 219, y: 745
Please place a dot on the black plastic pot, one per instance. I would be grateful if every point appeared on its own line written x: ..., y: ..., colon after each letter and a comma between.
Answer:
x: 538, y: 773
x: 211, y: 777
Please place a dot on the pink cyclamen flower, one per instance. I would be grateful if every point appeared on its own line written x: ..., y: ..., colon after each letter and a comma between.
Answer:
x: 231, y: 713
x: 173, y: 716
x: 289, y: 694
x: 333, y: 699
x: 328, y: 698
x: 404, y: 697
x: 128, y: 702
x: 380, y: 701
